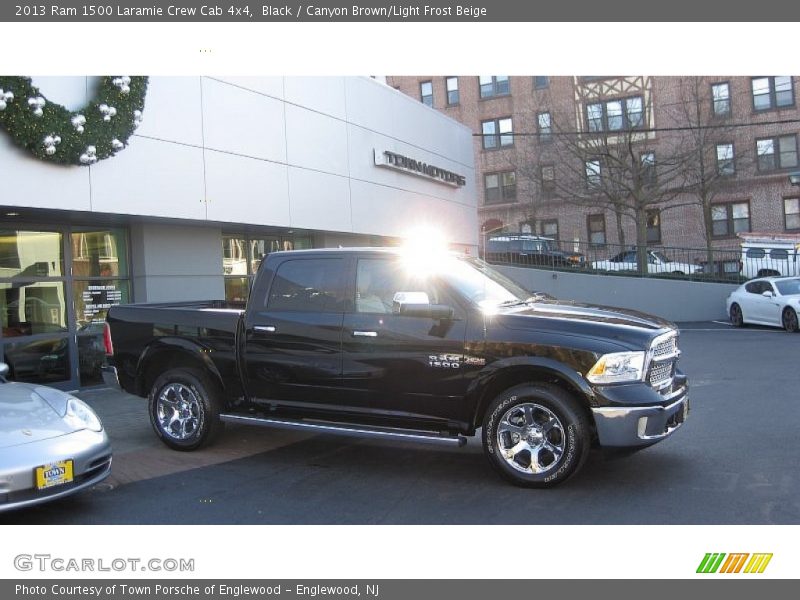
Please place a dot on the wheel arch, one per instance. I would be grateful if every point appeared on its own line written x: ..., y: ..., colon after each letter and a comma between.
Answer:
x: 510, y: 372
x: 174, y: 353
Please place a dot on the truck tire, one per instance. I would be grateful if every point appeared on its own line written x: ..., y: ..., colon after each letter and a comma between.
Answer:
x: 536, y: 435
x: 184, y: 409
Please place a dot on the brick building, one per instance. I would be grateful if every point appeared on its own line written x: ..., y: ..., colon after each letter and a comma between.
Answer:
x: 749, y: 129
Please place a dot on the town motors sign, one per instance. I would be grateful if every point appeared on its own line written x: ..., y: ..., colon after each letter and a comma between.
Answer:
x: 398, y: 162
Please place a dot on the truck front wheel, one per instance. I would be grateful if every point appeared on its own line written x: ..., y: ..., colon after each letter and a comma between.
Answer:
x: 536, y: 435
x: 184, y: 409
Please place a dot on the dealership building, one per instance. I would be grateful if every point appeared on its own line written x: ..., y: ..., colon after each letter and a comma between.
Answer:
x: 220, y: 172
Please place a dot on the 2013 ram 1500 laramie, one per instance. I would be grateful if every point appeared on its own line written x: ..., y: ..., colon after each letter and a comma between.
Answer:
x: 391, y: 344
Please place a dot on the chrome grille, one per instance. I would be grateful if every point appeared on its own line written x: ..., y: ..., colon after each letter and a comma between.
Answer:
x: 665, y: 346
x: 661, y: 373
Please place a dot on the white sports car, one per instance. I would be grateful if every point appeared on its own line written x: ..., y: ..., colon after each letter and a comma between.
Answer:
x: 51, y: 444
x: 771, y: 301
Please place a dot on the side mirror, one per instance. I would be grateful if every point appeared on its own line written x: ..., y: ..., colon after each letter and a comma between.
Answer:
x: 3, y: 370
x: 767, y: 294
x: 417, y: 304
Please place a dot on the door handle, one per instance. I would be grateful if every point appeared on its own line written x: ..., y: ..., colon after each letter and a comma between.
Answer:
x: 264, y: 328
x: 365, y: 334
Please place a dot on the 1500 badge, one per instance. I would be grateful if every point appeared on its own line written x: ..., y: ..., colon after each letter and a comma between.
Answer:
x: 454, y: 361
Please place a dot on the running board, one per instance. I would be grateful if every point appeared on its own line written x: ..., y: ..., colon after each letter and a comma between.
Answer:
x: 408, y: 435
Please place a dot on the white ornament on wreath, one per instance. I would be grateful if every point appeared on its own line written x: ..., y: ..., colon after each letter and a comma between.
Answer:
x: 90, y: 156
x: 123, y: 83
x: 107, y: 112
x: 50, y: 142
x: 116, y: 144
x: 78, y: 122
x: 5, y: 98
x: 37, y: 104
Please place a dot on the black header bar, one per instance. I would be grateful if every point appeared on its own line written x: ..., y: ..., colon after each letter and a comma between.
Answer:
x: 434, y: 11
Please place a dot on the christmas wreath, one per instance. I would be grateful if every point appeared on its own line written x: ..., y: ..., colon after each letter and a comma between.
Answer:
x: 55, y: 134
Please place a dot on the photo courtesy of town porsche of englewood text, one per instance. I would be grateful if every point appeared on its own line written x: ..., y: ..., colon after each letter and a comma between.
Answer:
x: 336, y: 300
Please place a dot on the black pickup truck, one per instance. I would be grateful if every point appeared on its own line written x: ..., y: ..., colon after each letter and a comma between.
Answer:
x: 389, y: 344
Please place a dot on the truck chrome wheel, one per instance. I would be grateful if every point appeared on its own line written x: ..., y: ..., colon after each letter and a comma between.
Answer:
x: 184, y: 407
x: 530, y: 438
x: 179, y: 411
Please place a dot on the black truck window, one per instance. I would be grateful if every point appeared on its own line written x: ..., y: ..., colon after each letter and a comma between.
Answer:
x: 309, y: 285
x: 378, y: 280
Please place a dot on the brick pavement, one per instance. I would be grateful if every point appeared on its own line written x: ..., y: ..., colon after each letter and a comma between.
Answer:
x: 140, y: 455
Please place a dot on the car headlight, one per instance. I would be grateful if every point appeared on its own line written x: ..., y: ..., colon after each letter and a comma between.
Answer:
x: 81, y: 416
x: 618, y: 367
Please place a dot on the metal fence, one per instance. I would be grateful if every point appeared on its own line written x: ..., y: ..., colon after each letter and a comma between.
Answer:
x: 725, y: 265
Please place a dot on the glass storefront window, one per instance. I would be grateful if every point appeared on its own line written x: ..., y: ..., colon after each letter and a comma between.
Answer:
x: 99, y: 253
x: 30, y: 253
x: 38, y: 361
x: 236, y: 289
x: 234, y: 256
x: 93, y: 299
x: 33, y: 307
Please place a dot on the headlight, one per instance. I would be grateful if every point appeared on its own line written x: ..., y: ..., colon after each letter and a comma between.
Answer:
x: 617, y: 367
x: 81, y: 416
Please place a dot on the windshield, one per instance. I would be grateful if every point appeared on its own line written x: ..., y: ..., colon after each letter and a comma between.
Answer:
x: 662, y: 257
x: 482, y: 285
x: 788, y: 287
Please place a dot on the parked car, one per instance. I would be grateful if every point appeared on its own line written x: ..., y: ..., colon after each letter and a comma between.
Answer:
x: 773, y: 301
x: 529, y: 250
x: 393, y: 344
x: 51, y: 444
x: 770, y: 255
x: 657, y: 262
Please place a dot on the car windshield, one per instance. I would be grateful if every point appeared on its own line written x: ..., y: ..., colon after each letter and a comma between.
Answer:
x: 662, y: 257
x: 482, y: 285
x: 788, y: 287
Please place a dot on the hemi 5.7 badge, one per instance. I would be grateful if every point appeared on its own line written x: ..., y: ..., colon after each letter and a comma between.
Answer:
x: 454, y: 361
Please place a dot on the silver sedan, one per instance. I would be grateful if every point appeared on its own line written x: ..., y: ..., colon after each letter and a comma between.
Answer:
x: 51, y: 444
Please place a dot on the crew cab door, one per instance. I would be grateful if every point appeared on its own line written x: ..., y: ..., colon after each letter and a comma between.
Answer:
x: 293, y: 331
x: 399, y: 365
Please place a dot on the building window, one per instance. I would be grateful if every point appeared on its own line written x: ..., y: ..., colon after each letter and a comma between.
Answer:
x: 730, y: 218
x: 541, y: 82
x: 653, y: 217
x: 596, y: 225
x: 494, y: 85
x: 545, y: 126
x: 426, y: 93
x: 593, y: 173
x: 500, y: 187
x: 772, y: 92
x: 615, y: 115
x: 648, y: 167
x: 550, y: 228
x: 497, y: 133
x: 451, y: 83
x: 791, y: 213
x: 777, y: 153
x: 548, y: 177
x: 721, y: 99
x: 725, y: 160
x: 242, y: 256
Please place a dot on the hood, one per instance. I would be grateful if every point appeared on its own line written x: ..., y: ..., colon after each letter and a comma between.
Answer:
x: 26, y: 416
x: 629, y: 328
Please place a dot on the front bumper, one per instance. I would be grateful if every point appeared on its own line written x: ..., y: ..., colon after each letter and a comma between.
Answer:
x: 90, y: 452
x: 625, y: 426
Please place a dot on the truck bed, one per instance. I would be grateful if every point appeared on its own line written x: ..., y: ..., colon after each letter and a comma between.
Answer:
x: 141, y: 330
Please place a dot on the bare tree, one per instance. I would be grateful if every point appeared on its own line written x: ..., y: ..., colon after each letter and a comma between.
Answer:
x: 707, y: 139
x: 609, y: 161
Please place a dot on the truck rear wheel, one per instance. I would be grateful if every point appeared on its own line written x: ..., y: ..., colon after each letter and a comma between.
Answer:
x: 536, y: 435
x: 184, y: 409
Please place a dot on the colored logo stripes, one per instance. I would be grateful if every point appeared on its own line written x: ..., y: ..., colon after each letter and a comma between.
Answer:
x: 719, y: 562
